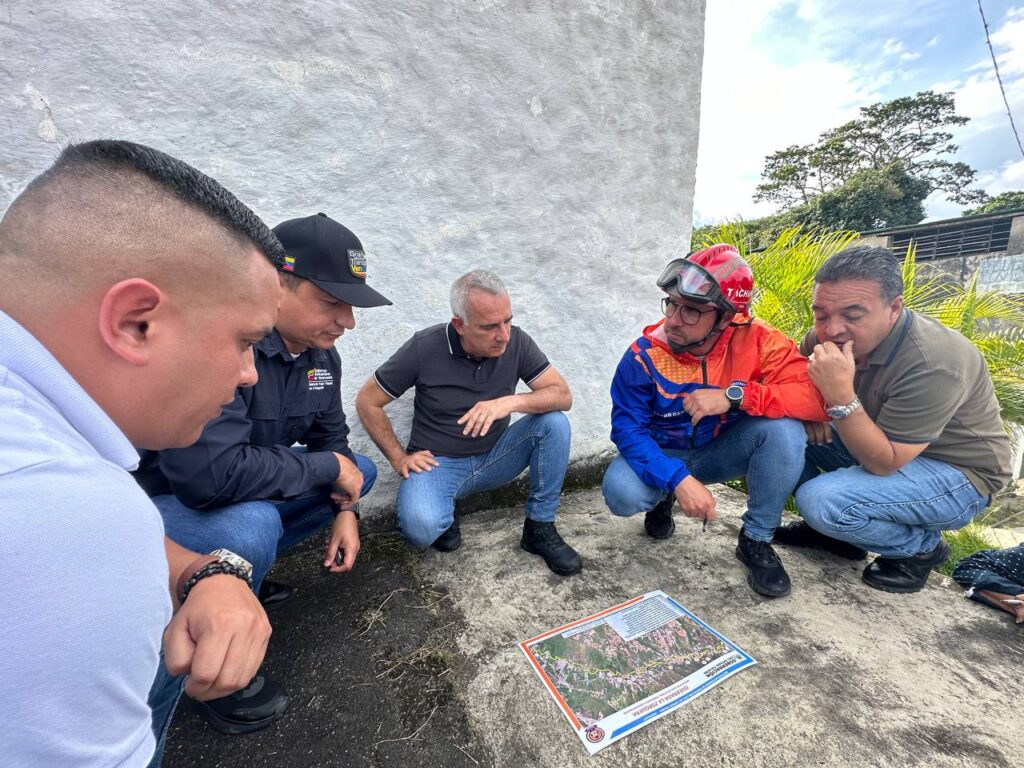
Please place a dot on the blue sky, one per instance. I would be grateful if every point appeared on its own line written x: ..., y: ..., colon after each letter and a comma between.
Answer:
x: 779, y: 72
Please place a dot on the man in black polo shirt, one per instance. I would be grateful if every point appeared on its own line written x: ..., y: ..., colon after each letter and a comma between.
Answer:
x: 242, y: 486
x: 465, y: 373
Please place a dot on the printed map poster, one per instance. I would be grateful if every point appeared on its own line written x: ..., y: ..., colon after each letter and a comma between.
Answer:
x: 625, y: 667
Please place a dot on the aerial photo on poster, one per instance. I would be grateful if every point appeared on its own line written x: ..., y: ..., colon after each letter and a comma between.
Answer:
x: 629, y: 665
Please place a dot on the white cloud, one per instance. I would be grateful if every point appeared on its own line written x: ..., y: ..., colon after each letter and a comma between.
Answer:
x: 1008, y: 178
x: 752, y: 104
x: 933, y: 42
x: 909, y: 56
x: 892, y: 46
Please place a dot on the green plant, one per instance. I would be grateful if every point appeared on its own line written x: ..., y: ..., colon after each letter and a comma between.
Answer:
x: 964, y: 543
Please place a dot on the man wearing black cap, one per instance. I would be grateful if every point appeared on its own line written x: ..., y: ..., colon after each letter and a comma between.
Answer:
x: 243, y: 487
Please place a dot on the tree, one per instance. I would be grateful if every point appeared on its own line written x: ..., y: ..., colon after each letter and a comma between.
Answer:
x: 1006, y: 201
x: 909, y: 133
x: 870, y: 199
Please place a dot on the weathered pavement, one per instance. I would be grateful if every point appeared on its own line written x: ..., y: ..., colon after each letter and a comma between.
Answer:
x: 412, y: 660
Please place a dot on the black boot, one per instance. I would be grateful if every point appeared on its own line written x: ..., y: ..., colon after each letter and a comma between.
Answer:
x: 905, y: 574
x: 800, y: 534
x: 256, y: 706
x: 450, y: 540
x: 274, y: 593
x: 543, y: 539
x: 765, y: 573
x: 658, y: 522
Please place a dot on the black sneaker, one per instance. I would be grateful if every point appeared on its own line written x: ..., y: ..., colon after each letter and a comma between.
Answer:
x: 765, y: 573
x: 543, y: 539
x: 658, y: 522
x: 273, y: 593
x: 256, y: 706
x: 450, y: 540
x: 904, y: 575
x: 800, y: 534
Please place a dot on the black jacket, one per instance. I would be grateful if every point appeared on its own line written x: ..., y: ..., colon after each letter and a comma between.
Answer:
x: 245, y: 453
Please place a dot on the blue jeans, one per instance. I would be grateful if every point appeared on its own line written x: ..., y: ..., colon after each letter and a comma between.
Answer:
x: 259, y: 531
x: 426, y: 500
x: 897, y: 515
x: 769, y: 452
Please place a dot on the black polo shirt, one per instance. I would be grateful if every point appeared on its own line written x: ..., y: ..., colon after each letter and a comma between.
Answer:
x: 449, y: 382
x: 245, y: 453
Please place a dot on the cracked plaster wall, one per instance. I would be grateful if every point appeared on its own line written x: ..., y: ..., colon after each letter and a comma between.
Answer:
x: 554, y: 142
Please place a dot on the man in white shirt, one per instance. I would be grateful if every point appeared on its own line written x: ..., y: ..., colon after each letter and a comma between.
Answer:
x: 122, y: 267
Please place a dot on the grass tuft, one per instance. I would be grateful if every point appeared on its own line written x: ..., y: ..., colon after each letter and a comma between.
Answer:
x: 965, y: 542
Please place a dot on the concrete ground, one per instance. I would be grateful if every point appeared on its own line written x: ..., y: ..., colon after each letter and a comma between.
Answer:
x: 412, y: 659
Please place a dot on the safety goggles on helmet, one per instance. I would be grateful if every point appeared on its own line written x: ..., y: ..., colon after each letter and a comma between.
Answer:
x: 691, y: 281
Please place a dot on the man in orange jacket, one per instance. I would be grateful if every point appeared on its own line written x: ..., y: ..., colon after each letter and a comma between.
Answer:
x: 706, y: 395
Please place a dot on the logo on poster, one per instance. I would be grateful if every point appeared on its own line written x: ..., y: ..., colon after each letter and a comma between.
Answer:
x: 594, y: 734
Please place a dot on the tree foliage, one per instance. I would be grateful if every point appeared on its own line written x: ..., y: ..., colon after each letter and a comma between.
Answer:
x: 909, y: 134
x: 1006, y: 201
x: 870, y: 199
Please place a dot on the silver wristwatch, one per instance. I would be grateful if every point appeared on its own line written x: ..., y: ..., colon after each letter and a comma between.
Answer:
x: 840, y: 412
x: 227, y: 556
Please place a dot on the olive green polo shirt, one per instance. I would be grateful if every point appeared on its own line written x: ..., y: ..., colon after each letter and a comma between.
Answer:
x: 926, y: 383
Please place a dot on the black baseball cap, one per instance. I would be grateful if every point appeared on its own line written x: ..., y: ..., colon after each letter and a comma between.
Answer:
x: 328, y: 255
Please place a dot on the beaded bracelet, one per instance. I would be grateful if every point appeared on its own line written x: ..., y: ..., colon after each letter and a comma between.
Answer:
x: 212, y: 570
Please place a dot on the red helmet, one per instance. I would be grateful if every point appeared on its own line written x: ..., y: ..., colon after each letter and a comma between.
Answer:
x: 717, y: 275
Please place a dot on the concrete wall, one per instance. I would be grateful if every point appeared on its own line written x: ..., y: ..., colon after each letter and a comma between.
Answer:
x: 554, y: 142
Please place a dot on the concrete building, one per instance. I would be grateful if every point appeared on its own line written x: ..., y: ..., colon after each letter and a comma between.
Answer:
x: 991, y: 244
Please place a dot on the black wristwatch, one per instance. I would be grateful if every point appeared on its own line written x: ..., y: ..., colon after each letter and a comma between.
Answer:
x: 734, y: 394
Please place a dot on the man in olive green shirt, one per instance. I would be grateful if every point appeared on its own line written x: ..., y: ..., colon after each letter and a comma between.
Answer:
x: 916, y: 445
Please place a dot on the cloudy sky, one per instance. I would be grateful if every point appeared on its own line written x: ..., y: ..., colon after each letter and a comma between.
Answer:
x: 779, y: 72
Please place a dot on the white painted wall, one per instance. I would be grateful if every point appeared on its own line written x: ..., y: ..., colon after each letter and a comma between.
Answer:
x: 553, y: 142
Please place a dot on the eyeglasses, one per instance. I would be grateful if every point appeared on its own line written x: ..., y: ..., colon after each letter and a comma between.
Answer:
x: 689, y: 315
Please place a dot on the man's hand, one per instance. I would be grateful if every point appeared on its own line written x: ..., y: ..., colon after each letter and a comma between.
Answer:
x: 478, y: 419
x: 695, y: 499
x: 415, y: 462
x: 344, y: 536
x: 218, y: 637
x: 818, y: 432
x: 832, y: 370
x: 705, y: 402
x: 349, y: 482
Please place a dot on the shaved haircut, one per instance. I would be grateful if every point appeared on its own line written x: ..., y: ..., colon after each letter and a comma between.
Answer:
x: 107, y: 210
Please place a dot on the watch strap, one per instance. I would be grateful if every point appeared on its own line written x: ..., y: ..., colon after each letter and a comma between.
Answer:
x: 840, y: 412
x: 354, y: 511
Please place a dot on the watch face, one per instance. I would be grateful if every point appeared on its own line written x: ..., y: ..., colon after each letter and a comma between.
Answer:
x: 734, y: 393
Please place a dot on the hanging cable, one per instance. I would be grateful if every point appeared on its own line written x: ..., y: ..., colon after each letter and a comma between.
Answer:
x: 999, y: 79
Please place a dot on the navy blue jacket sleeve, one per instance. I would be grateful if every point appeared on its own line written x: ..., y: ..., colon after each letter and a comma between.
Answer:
x: 633, y: 393
x: 223, y: 468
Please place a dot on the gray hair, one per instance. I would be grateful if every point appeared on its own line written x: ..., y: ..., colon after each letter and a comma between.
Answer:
x: 477, y: 280
x: 865, y: 262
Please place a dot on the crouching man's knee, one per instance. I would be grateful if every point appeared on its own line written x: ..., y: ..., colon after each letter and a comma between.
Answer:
x: 623, y: 491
